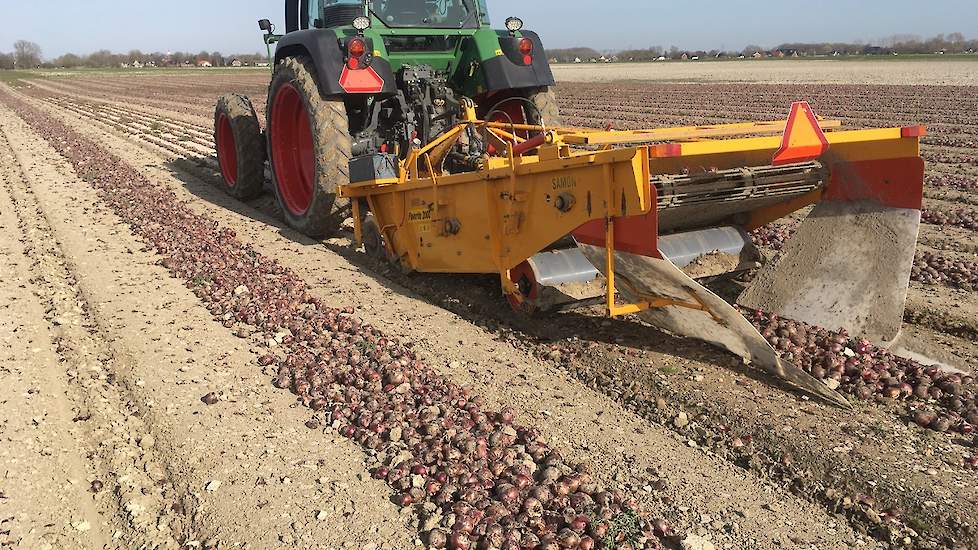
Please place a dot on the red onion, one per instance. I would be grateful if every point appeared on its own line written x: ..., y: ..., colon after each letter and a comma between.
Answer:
x: 533, y: 507
x: 459, y: 541
x: 438, y: 538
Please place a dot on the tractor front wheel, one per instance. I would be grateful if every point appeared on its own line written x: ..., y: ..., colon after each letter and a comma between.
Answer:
x: 240, y: 152
x: 309, y: 147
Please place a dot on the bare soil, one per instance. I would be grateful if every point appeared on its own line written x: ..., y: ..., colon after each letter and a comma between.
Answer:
x: 698, y: 439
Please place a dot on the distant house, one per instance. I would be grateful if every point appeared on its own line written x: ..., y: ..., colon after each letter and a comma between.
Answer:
x: 660, y: 58
x: 236, y: 63
x: 137, y: 64
x: 203, y: 63
x: 577, y: 60
x: 777, y: 54
x: 758, y: 55
x: 684, y: 57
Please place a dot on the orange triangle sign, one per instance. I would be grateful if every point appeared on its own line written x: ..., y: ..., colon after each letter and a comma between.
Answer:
x: 803, y: 138
x: 361, y: 81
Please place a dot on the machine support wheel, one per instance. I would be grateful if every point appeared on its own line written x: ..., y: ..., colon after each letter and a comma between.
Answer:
x: 373, y: 241
x: 240, y: 147
x: 524, y: 279
x: 309, y: 147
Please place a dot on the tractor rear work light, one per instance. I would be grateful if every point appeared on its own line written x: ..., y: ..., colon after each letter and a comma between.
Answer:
x: 526, y: 48
x: 514, y: 24
x: 361, y: 23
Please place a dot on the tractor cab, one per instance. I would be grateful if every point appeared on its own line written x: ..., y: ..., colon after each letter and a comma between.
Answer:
x: 433, y: 14
x: 443, y: 14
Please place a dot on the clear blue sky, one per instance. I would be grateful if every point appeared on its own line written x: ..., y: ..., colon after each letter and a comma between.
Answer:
x: 83, y: 26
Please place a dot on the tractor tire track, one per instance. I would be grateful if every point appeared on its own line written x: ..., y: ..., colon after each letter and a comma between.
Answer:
x: 129, y: 481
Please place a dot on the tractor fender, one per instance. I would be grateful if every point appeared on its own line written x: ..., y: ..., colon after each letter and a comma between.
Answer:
x: 323, y: 47
x: 507, y: 71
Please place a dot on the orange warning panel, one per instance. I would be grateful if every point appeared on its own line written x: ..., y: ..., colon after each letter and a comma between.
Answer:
x: 361, y: 81
x: 803, y: 139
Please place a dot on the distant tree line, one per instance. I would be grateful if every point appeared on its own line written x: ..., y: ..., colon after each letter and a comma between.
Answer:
x: 136, y: 58
x: 27, y: 55
x: 954, y: 43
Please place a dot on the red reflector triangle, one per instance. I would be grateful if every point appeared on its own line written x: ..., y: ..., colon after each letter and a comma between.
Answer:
x: 803, y: 138
x: 361, y: 81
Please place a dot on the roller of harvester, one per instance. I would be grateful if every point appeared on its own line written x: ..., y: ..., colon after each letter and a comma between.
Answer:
x: 641, y: 226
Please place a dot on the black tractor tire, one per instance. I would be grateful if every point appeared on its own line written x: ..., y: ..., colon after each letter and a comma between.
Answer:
x: 306, y: 183
x: 547, y: 112
x: 240, y: 147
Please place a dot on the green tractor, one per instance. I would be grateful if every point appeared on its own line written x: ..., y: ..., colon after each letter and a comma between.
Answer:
x: 358, y: 84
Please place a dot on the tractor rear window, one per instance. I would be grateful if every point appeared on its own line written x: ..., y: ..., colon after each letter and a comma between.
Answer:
x: 438, y: 14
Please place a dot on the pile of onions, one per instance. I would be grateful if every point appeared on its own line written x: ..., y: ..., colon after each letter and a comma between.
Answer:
x: 958, y: 217
x: 943, y: 157
x: 931, y: 268
x: 941, y: 401
x: 952, y: 181
x: 773, y: 236
x: 496, y: 484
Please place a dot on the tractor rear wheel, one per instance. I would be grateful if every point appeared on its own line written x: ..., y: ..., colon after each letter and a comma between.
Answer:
x: 309, y: 147
x: 547, y: 113
x: 240, y: 152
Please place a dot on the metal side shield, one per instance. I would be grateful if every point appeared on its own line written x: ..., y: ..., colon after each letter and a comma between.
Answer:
x: 848, y: 265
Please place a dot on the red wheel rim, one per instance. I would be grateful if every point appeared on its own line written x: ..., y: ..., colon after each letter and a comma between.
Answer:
x: 227, y: 152
x: 510, y: 112
x: 292, y: 150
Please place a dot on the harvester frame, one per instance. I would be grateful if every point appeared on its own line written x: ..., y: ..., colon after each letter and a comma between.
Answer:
x: 554, y: 156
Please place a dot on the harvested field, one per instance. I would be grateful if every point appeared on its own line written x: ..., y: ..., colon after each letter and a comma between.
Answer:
x: 164, y: 380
